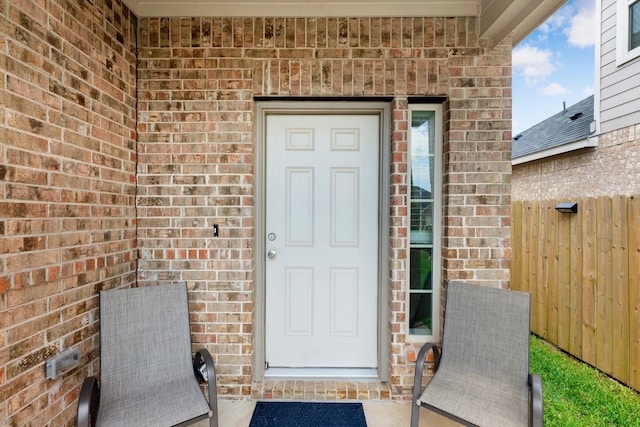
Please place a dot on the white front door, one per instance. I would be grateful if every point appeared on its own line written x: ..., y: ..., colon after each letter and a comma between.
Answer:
x: 322, y: 241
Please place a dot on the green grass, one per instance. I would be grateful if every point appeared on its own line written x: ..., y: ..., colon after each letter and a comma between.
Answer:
x: 577, y: 395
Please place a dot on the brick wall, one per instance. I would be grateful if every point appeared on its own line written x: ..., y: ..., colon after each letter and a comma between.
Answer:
x: 612, y: 168
x: 68, y: 177
x: 197, y: 81
x: 67, y: 186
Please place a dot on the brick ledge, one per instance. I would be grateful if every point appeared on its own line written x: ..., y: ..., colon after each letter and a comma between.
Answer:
x: 320, y: 390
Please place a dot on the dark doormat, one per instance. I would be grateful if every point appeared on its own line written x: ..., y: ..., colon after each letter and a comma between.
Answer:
x: 311, y: 414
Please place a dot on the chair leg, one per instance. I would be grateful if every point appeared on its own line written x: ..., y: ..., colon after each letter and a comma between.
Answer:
x: 415, y: 414
x: 204, y: 355
x: 536, y: 411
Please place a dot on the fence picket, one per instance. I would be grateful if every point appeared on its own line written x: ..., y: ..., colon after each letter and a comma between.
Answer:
x: 620, y: 289
x: 516, y: 248
x: 564, y: 224
x: 538, y: 269
x: 634, y: 291
x: 604, y: 295
x: 551, y: 262
x: 576, y: 283
x: 589, y: 283
x: 527, y: 260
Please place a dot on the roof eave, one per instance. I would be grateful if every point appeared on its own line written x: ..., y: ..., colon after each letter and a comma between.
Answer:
x: 589, y: 142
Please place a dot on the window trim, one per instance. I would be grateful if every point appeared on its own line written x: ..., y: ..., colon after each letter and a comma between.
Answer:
x: 623, y: 54
x: 436, y: 263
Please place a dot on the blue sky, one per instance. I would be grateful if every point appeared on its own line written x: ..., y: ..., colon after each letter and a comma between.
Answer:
x: 555, y: 64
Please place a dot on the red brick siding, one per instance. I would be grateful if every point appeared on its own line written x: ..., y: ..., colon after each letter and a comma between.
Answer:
x: 197, y: 80
x: 67, y: 192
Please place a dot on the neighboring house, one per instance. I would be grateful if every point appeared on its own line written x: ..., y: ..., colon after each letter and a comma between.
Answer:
x: 254, y: 151
x: 565, y: 133
x: 581, y: 269
x: 602, y: 160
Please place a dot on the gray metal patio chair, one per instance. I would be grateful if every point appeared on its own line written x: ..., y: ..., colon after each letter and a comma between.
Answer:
x: 482, y: 377
x: 148, y: 377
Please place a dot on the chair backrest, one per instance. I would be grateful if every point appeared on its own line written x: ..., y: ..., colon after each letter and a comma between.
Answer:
x: 144, y: 338
x: 486, y: 333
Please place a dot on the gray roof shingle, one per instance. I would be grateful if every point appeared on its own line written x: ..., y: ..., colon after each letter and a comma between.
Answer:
x: 566, y: 127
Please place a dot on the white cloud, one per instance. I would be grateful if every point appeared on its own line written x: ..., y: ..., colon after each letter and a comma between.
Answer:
x: 581, y: 29
x: 532, y: 63
x: 588, y: 91
x: 576, y: 20
x: 554, y: 89
x: 556, y: 21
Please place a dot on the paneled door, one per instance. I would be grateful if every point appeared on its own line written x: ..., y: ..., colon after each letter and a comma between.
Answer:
x: 322, y: 241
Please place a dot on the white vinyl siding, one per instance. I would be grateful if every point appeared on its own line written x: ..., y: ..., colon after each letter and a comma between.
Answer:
x: 619, y: 82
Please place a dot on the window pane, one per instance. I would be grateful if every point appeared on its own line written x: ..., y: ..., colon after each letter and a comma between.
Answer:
x: 420, y: 263
x: 422, y: 170
x: 422, y: 153
x: 634, y: 25
x: 421, y: 221
x: 421, y: 314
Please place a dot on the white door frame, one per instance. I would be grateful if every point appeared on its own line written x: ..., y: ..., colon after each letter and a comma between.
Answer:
x: 264, y: 108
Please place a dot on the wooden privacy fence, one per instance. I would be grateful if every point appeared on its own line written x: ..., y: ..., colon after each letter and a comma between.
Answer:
x: 583, y: 272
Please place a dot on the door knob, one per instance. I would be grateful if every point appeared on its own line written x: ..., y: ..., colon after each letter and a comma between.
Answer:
x: 271, y: 254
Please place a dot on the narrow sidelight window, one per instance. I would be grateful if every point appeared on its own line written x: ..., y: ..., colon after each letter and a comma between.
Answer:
x: 425, y: 143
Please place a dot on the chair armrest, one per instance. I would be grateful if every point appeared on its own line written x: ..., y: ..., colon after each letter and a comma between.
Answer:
x: 204, y: 356
x: 422, y: 357
x: 536, y: 411
x: 88, y: 403
x: 417, y: 378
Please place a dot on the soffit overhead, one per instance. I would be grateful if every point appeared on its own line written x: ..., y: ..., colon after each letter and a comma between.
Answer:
x: 303, y: 8
x: 499, y: 19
